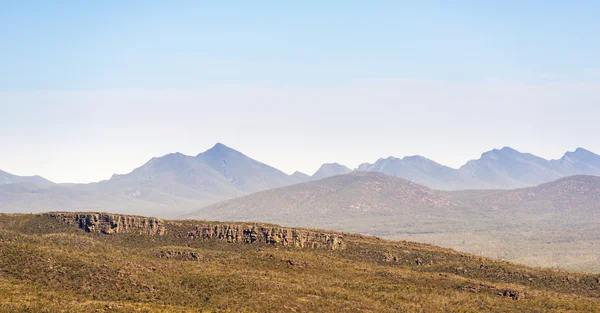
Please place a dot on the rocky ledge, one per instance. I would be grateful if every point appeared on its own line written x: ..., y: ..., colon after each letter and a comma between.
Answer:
x: 268, y: 235
x: 243, y: 233
x: 111, y: 223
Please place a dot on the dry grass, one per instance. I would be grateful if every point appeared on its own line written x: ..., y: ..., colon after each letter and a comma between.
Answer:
x: 47, y: 267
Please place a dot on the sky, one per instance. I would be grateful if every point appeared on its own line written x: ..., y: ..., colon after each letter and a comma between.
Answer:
x: 92, y: 88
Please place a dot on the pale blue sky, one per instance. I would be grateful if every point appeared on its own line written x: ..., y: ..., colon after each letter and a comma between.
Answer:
x: 88, y: 89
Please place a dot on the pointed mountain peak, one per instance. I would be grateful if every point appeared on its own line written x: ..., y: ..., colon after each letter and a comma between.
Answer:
x: 583, y: 151
x: 219, y: 147
x: 219, y: 150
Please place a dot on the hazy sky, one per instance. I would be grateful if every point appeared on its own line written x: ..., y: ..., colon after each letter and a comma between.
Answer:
x: 88, y: 89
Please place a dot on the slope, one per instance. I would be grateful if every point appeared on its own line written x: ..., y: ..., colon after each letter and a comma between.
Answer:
x: 104, y: 262
x: 165, y: 186
x: 417, y: 169
x: 549, y: 225
x: 504, y: 168
x: 7, y: 178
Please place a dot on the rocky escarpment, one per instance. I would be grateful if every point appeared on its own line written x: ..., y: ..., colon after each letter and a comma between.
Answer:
x: 243, y: 233
x: 268, y: 235
x: 111, y: 223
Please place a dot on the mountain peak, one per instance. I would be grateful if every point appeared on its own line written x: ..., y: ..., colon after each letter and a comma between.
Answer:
x: 579, y: 153
x: 219, y: 150
x: 418, y: 158
x: 8, y: 178
x: 218, y: 147
x: 301, y: 177
x: 582, y: 151
x: 331, y: 169
x: 509, y: 149
x: 495, y: 153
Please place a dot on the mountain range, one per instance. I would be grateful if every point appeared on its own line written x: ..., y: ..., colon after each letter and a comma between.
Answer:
x: 504, y: 168
x: 173, y: 184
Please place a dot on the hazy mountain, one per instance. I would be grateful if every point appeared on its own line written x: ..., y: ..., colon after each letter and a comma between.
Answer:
x: 175, y: 183
x: 165, y: 186
x: 177, y: 174
x: 417, y: 169
x: 358, y: 197
x: 508, y: 168
x: 330, y: 169
x: 557, y: 220
x: 579, y: 162
x: 7, y: 178
x: 301, y: 177
x: 242, y: 171
x: 504, y: 168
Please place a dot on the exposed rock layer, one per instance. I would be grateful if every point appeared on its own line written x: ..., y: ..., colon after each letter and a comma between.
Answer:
x: 112, y: 223
x: 178, y: 254
x: 269, y: 235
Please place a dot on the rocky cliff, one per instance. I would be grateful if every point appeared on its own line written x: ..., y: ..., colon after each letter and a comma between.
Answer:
x: 111, y: 223
x: 269, y: 235
x: 244, y: 233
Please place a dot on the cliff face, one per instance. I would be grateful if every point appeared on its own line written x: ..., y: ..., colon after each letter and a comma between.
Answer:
x: 112, y: 223
x: 243, y: 233
x: 269, y: 235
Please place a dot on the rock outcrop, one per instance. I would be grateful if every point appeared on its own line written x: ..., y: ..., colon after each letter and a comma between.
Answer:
x: 177, y: 254
x: 243, y: 233
x: 111, y: 223
x: 269, y: 235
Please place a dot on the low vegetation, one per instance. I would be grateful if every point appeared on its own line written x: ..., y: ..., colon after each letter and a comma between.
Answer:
x: 50, y: 266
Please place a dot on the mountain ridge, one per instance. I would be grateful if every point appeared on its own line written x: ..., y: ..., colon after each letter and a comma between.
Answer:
x: 565, y: 212
x: 175, y: 183
x: 8, y: 178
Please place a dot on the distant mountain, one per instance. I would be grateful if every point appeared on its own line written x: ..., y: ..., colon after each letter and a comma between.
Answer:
x: 165, y: 186
x: 358, y: 197
x: 546, y: 225
x: 569, y: 197
x: 301, y: 177
x: 171, y: 176
x: 417, y: 169
x: 175, y: 183
x: 7, y: 178
x: 504, y: 168
x: 242, y: 171
x: 508, y: 168
x: 330, y: 169
x: 578, y: 162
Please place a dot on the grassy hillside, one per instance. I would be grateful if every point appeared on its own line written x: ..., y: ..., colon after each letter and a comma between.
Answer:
x: 551, y: 225
x: 47, y: 265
